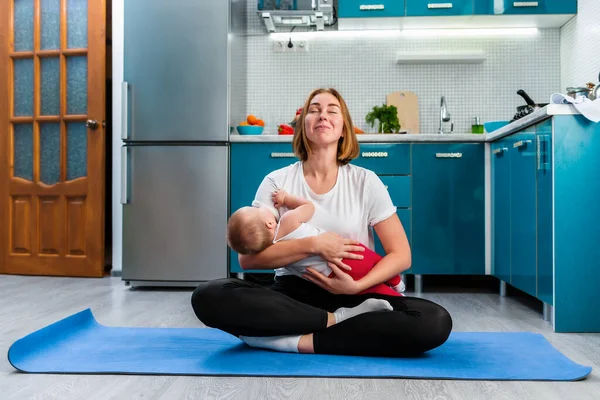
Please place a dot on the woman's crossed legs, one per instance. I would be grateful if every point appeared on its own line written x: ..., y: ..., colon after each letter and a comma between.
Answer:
x: 294, y: 306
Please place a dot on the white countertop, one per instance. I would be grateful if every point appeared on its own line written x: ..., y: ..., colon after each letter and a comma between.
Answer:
x: 533, y: 118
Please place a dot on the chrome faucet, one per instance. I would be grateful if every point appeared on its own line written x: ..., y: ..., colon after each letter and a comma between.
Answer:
x: 444, y: 116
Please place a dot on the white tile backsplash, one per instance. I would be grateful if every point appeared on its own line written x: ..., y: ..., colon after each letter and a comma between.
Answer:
x: 580, y: 46
x: 364, y: 71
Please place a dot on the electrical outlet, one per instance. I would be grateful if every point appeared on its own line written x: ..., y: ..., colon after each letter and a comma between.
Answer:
x: 298, y: 46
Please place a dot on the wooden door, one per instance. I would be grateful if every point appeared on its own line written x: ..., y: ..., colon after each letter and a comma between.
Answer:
x: 52, y: 113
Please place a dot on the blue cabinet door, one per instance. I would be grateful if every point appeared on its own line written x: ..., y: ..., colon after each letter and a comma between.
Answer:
x: 501, y: 209
x: 483, y: 7
x: 544, y: 211
x: 523, y: 214
x: 250, y: 163
x: 370, y: 8
x: 538, y: 7
x: 448, y: 209
x: 432, y: 8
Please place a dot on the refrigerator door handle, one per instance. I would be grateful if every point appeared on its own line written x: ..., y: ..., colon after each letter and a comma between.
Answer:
x: 124, y: 110
x: 124, y: 175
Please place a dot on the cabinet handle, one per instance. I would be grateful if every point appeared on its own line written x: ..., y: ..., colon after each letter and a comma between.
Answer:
x: 448, y: 155
x: 525, y: 4
x: 521, y: 143
x: 499, y: 151
x: 537, y: 153
x: 371, y: 7
x: 439, y: 5
x: 124, y: 175
x: 124, y: 111
x: 283, y: 155
x: 375, y: 154
x: 542, y: 153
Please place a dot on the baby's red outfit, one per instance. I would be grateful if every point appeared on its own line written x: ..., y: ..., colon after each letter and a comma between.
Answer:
x: 362, y: 267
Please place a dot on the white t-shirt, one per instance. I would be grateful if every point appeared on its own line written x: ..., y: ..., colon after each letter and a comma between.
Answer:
x: 299, y: 267
x: 357, y: 201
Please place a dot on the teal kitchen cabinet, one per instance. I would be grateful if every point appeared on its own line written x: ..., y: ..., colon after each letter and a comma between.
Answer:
x: 523, y: 211
x: 250, y: 163
x: 391, y: 162
x: 500, y: 191
x: 543, y: 135
x: 435, y: 8
x: 448, y: 228
x: 369, y: 9
x: 574, y: 168
x: 540, y: 7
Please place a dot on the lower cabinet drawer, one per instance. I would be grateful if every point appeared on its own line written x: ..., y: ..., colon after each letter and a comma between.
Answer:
x: 385, y: 158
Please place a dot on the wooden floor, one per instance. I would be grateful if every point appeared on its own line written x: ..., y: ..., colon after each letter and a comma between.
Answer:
x: 30, y: 303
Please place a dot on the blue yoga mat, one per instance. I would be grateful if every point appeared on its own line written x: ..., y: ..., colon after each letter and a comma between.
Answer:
x: 79, y: 344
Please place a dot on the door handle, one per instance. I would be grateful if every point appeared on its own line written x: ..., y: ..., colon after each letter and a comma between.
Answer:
x: 448, y: 155
x: 542, y: 153
x: 283, y: 155
x: 371, y: 7
x: 499, y: 151
x: 525, y: 4
x: 537, y: 152
x: 124, y: 175
x: 124, y: 110
x: 439, y: 5
x: 521, y: 143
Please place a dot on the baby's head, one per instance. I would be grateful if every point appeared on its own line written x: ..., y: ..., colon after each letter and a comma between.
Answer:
x: 250, y: 230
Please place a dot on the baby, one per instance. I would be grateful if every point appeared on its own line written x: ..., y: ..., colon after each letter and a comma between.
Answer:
x: 250, y: 230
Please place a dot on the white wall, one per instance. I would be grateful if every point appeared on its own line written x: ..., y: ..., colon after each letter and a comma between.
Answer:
x: 117, y: 73
x: 580, y: 46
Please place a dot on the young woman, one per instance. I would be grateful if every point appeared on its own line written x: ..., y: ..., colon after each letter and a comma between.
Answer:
x: 318, y: 313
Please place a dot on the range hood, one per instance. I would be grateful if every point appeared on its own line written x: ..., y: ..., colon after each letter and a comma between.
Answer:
x: 289, y: 13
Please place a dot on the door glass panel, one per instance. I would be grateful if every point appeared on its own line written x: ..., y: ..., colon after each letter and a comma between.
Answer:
x: 77, y: 85
x: 23, y: 25
x: 23, y: 87
x: 76, y: 150
x: 77, y: 24
x: 50, y: 86
x: 50, y: 29
x: 50, y: 153
x: 23, y: 151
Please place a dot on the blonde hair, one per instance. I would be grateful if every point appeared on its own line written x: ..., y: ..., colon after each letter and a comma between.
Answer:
x: 247, y: 232
x: 348, y: 148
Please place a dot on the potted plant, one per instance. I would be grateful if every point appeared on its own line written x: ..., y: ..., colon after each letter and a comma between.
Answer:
x: 387, y: 117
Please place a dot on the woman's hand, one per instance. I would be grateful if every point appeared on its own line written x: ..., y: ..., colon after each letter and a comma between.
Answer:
x: 339, y: 283
x: 334, y: 248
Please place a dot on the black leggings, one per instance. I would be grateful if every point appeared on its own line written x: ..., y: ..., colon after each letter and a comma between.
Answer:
x: 294, y: 306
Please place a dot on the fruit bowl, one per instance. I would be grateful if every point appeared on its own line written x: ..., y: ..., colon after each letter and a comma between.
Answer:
x: 250, y: 129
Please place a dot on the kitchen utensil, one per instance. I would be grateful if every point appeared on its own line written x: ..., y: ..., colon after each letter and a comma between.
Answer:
x: 250, y: 129
x: 407, y: 104
x: 596, y: 92
x: 527, y: 109
x: 579, y: 91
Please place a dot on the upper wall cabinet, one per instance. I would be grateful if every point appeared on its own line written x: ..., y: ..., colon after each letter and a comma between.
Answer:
x: 413, y: 14
x: 540, y: 7
x: 434, y: 8
x: 369, y: 9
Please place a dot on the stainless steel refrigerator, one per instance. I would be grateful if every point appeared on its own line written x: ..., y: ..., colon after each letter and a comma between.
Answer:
x: 175, y: 98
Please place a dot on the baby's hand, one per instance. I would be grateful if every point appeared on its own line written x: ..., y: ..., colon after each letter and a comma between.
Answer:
x: 279, y: 198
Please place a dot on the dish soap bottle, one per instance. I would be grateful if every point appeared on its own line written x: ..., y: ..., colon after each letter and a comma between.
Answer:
x: 477, y: 127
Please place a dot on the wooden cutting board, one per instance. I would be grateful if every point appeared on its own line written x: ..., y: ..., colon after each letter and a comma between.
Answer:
x: 407, y: 104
